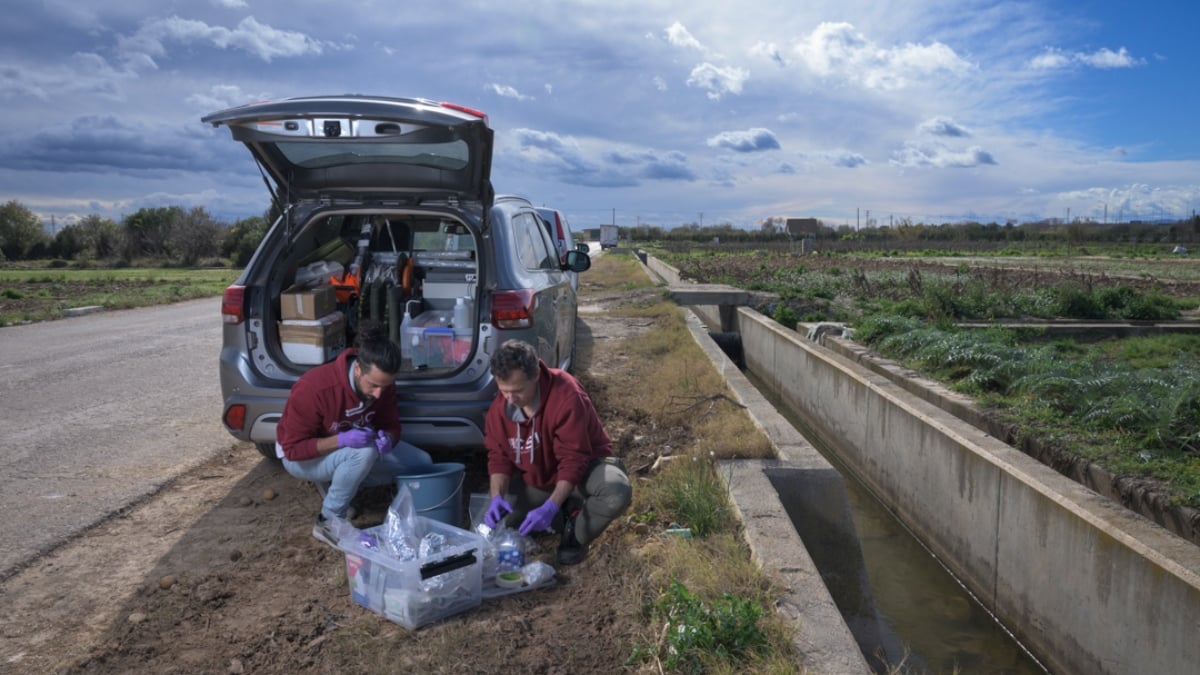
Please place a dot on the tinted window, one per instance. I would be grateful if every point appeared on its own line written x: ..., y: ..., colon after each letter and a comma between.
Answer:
x: 533, y: 246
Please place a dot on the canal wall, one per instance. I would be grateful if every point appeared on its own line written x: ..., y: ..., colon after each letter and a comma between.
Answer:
x: 1088, y: 585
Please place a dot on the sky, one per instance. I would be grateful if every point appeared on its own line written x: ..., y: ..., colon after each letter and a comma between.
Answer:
x: 640, y: 113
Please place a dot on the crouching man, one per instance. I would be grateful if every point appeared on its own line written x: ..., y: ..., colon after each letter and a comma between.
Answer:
x: 549, y: 458
x: 340, y: 426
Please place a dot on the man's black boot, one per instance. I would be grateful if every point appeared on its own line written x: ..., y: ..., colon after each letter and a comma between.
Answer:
x: 570, y: 551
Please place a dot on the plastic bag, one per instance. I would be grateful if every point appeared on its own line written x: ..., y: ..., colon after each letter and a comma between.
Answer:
x: 402, y: 531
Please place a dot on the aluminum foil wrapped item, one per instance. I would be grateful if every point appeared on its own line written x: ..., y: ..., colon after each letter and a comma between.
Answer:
x: 432, y: 543
x: 402, y: 530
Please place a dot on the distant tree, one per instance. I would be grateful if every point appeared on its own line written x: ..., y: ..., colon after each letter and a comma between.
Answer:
x: 20, y: 231
x: 148, y: 230
x: 194, y: 236
x: 769, y: 226
x: 102, y: 236
x: 242, y: 239
x: 69, y: 243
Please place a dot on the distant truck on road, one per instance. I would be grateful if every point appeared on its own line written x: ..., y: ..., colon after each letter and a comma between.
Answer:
x: 608, y: 236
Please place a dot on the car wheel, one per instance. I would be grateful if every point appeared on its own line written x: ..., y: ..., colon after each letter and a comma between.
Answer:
x: 267, y: 449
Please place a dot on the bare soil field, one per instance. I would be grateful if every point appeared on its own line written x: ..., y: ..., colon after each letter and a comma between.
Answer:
x: 219, y: 574
x: 1160, y: 276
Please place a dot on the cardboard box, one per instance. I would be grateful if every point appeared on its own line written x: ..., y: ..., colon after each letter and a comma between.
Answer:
x: 306, y: 304
x: 417, y: 592
x: 313, y: 342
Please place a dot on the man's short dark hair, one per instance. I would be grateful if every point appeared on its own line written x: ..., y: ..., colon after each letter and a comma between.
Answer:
x: 513, y: 356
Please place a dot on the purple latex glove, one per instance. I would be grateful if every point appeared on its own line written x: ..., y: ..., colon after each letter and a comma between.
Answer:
x: 539, y: 518
x: 497, y: 509
x: 383, y: 442
x: 356, y: 438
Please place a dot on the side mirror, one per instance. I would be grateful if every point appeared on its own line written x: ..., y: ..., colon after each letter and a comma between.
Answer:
x: 582, y: 247
x: 578, y: 261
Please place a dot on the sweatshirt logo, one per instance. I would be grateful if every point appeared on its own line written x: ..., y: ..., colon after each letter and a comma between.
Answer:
x: 353, y: 418
x: 521, y: 446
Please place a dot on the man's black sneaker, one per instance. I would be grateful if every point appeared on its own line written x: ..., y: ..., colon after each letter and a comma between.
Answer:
x: 570, y: 551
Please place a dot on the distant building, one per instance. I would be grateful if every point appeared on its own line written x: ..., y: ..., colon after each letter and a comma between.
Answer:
x: 802, y: 227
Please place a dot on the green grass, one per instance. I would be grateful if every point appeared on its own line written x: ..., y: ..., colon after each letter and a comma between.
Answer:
x: 28, y: 295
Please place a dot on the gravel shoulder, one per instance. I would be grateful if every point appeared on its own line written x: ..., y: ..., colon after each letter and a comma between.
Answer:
x: 218, y: 573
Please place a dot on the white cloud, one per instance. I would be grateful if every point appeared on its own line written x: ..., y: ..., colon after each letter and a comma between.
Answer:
x: 679, y: 36
x: 839, y: 51
x: 221, y: 96
x: 1104, y: 58
x: 718, y: 81
x: 82, y: 73
x: 750, y: 140
x: 506, y: 91
x: 230, y: 4
x: 768, y: 50
x: 943, y: 126
x: 267, y: 43
x: 595, y: 163
x: 659, y: 83
x: 939, y: 156
x: 1051, y: 59
x: 849, y: 160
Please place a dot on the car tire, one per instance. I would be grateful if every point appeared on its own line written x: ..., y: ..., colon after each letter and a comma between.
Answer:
x: 266, y: 449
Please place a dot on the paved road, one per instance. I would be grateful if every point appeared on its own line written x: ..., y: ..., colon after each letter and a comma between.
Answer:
x: 96, y: 412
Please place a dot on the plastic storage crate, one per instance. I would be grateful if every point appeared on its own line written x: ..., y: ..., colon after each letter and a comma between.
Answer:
x: 417, y: 592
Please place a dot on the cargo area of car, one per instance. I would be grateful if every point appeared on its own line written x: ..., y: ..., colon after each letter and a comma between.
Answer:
x: 415, y: 273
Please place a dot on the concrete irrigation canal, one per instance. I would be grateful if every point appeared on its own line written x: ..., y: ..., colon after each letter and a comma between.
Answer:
x: 1065, y: 579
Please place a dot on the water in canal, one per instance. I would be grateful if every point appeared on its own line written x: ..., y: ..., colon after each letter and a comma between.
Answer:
x: 924, y: 618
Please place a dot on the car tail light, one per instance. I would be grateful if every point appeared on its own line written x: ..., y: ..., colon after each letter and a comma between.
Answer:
x: 235, y: 417
x: 470, y: 111
x: 233, y: 304
x: 562, y: 238
x: 512, y: 309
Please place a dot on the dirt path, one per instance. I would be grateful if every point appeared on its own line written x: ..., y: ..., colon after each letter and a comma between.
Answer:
x: 218, y: 574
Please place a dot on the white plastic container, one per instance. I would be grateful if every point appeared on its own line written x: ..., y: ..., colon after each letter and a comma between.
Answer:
x: 463, y: 321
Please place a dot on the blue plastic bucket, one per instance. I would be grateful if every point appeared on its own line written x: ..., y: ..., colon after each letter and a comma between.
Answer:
x: 436, y: 491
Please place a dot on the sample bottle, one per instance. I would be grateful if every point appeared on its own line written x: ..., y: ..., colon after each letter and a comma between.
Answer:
x: 510, y: 552
x: 462, y: 317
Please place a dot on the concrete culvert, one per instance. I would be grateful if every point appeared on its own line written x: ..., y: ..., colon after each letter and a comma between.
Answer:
x: 731, y: 344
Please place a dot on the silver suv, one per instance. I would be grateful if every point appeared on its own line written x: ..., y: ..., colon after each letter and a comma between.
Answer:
x: 388, y: 214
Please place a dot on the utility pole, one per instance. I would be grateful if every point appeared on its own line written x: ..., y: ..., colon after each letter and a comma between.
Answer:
x: 614, y: 220
x: 702, y: 220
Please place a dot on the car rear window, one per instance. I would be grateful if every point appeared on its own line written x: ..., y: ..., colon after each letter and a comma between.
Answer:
x: 325, y: 153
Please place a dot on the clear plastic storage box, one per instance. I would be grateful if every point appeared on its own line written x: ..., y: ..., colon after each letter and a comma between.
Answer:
x: 430, y: 341
x: 417, y: 592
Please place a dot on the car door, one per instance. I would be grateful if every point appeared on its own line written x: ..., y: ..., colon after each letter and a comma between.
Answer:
x: 550, y: 285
